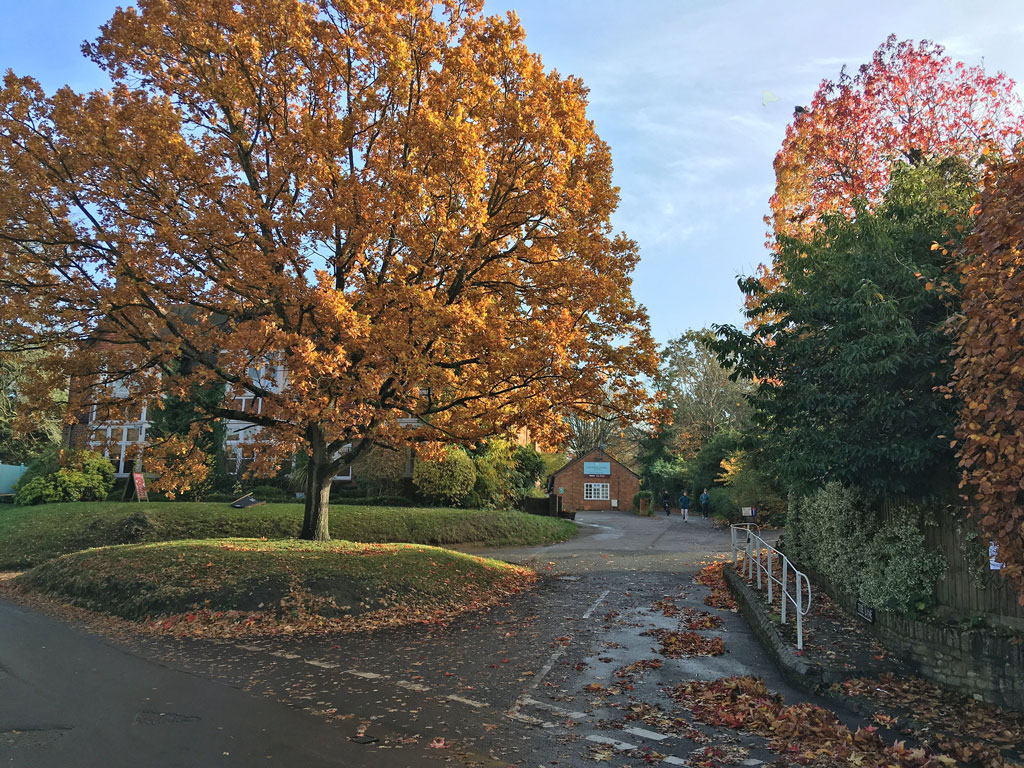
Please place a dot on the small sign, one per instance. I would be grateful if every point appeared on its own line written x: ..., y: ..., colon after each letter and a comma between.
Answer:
x: 993, y: 554
x: 748, y: 511
x: 597, y: 468
x: 866, y: 612
x: 140, y: 486
x: 561, y: 491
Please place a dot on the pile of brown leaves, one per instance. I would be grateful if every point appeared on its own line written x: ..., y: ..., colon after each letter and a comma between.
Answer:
x: 720, y: 597
x: 678, y: 645
x: 695, y: 619
x: 655, y: 718
x: 667, y: 606
x: 970, y: 731
x: 627, y: 672
x: 804, y: 732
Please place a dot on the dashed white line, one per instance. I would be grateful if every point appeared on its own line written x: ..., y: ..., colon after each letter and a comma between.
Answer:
x: 672, y: 760
x: 285, y: 655
x: 597, y: 602
x: 470, y: 702
x: 321, y: 664
x: 412, y: 686
x: 555, y: 708
x: 622, y: 746
x: 367, y: 675
x: 645, y: 734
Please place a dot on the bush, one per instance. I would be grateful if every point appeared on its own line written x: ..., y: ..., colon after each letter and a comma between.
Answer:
x: 722, y: 505
x: 85, y: 476
x: 884, y: 562
x: 380, y: 471
x: 529, y: 467
x: 901, y: 574
x: 446, y: 481
x: 495, y: 476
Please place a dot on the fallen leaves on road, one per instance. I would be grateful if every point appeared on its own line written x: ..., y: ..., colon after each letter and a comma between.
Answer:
x: 970, y: 731
x: 804, y: 732
x: 720, y: 597
x: 696, y: 619
x: 667, y: 606
x: 627, y: 672
x: 678, y: 645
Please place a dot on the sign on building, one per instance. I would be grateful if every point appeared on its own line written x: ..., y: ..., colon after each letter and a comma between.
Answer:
x: 597, y: 468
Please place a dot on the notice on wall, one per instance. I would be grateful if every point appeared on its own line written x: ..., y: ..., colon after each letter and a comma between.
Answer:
x: 598, y: 468
x: 993, y: 554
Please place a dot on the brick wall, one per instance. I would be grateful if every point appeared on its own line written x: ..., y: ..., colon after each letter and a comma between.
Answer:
x: 623, y: 485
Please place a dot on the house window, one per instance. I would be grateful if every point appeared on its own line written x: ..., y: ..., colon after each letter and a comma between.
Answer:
x: 596, y: 491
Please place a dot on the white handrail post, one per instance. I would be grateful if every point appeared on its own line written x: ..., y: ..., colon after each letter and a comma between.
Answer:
x: 748, y: 564
x: 799, y: 616
x: 760, y: 549
x: 735, y: 552
x: 771, y: 574
x: 785, y: 587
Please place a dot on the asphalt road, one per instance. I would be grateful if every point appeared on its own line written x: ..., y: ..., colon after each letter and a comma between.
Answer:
x: 512, y: 686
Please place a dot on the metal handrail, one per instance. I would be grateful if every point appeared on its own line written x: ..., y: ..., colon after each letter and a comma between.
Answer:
x: 752, y: 543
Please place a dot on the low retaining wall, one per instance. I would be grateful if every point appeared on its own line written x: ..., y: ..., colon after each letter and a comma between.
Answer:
x: 986, y: 664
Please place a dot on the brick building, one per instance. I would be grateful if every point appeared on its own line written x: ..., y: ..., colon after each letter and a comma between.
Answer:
x: 595, y: 482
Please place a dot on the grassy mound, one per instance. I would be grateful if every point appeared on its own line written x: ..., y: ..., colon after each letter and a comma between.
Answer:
x: 32, y: 535
x: 232, y: 586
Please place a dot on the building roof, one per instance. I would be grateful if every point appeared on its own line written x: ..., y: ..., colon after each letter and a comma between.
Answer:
x: 583, y: 456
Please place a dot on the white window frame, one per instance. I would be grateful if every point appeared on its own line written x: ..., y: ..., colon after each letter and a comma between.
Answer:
x: 597, y: 491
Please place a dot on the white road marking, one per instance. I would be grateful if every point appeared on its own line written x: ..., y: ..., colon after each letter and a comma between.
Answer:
x: 597, y: 602
x: 752, y: 761
x: 645, y: 734
x: 367, y: 675
x: 620, y: 745
x: 412, y: 686
x: 321, y: 664
x: 284, y: 655
x: 515, y: 713
x: 674, y: 760
x: 470, y: 702
x: 555, y: 708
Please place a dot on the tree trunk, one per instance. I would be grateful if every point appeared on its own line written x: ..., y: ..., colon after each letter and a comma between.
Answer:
x: 320, y: 475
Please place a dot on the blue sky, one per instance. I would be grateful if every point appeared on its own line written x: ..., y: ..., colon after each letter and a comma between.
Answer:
x: 675, y: 90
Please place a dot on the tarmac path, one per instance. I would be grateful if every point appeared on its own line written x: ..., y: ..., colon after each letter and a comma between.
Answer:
x: 511, y: 686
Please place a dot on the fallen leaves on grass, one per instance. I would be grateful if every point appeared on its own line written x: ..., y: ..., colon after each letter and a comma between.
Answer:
x: 678, y: 645
x: 803, y: 732
x: 720, y: 597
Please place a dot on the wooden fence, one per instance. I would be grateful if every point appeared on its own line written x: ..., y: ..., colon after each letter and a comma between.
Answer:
x: 969, y: 587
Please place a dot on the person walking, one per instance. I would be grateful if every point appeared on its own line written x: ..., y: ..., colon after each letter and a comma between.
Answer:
x: 684, y: 506
x: 705, y: 503
x: 666, y: 503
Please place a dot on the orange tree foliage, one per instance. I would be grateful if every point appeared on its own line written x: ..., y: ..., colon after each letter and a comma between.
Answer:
x: 910, y: 101
x: 989, y: 367
x: 390, y: 200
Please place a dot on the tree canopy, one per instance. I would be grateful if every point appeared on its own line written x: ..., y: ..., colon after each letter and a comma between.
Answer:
x: 393, y: 202
x: 848, y: 353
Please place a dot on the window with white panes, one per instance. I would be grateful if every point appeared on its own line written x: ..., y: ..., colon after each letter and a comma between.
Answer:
x: 596, y: 491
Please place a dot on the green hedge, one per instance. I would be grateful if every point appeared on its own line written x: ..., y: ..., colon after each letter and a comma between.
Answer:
x: 884, y: 561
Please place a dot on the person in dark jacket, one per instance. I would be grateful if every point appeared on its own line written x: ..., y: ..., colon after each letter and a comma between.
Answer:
x: 705, y: 503
x: 684, y: 506
x: 666, y: 503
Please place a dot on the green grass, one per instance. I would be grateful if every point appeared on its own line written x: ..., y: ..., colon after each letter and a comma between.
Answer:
x: 300, y: 584
x: 32, y: 535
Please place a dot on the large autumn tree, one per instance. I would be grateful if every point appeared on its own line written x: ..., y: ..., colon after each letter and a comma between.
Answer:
x: 390, y: 200
x: 910, y: 102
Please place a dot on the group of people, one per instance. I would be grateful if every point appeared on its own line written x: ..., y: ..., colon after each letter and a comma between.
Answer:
x: 684, y: 504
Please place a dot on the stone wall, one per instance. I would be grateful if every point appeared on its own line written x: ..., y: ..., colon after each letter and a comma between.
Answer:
x: 983, y: 662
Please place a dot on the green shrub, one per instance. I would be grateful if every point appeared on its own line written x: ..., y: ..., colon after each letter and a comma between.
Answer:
x: 901, y: 574
x: 495, y: 476
x: 85, y: 476
x: 722, y: 505
x: 641, y: 496
x: 885, y: 562
x: 446, y: 481
x: 379, y: 471
x: 528, y: 468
